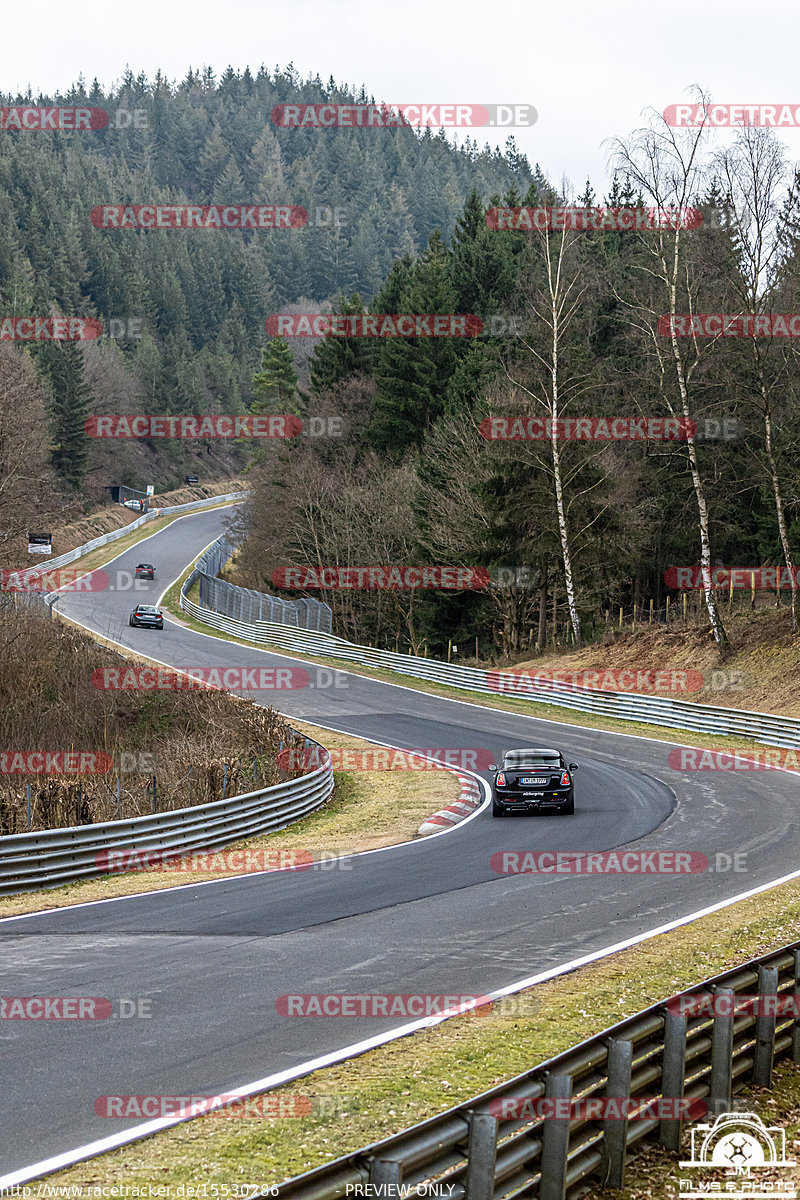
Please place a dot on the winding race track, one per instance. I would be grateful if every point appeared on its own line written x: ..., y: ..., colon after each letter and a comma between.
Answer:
x: 426, y: 917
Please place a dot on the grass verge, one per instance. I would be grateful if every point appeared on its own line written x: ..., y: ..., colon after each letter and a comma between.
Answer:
x: 653, y: 1172
x: 392, y: 1087
x: 105, y: 554
x: 526, y: 708
x: 367, y: 810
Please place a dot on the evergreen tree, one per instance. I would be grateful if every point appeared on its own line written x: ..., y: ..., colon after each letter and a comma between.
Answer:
x: 337, y: 358
x: 69, y: 410
x: 275, y: 384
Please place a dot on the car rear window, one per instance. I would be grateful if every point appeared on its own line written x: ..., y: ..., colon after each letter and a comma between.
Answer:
x: 525, y: 763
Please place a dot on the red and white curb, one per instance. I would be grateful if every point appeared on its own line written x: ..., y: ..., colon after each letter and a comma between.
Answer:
x: 451, y: 814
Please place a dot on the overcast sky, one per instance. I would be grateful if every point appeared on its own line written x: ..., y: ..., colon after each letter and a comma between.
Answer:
x: 589, y: 67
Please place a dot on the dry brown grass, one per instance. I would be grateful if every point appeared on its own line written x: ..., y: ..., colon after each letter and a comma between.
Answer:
x: 54, y: 705
x: 366, y: 811
x: 760, y: 673
x: 115, y: 516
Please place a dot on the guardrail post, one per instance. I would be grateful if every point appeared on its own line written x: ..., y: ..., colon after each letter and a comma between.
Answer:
x: 719, y: 1099
x: 673, y: 1075
x: 765, y: 1027
x: 615, y: 1130
x: 385, y: 1175
x: 555, y: 1142
x: 481, y: 1156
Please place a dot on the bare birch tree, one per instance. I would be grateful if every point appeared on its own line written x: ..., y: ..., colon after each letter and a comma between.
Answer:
x: 666, y: 166
x: 550, y: 386
x: 756, y: 179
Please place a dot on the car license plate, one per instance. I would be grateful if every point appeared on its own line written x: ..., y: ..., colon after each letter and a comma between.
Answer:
x: 533, y: 779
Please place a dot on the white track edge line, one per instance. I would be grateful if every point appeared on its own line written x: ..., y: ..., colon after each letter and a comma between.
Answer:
x: 101, y: 1145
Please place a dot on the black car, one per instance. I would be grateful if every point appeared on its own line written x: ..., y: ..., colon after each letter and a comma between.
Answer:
x: 530, y: 780
x: 145, y: 571
x: 148, y: 615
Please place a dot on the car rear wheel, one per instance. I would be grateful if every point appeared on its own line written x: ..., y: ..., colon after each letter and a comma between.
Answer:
x: 497, y: 809
x: 570, y: 807
x: 131, y: 621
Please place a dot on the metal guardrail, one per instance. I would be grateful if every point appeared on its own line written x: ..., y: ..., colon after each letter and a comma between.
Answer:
x: 115, y: 534
x: 42, y: 601
x: 245, y: 604
x: 49, y: 858
x: 29, y: 861
x: 761, y: 727
x: 481, y: 1154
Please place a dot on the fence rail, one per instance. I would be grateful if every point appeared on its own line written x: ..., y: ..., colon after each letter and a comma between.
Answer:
x: 41, y: 602
x: 483, y: 1151
x: 49, y: 858
x: 29, y: 861
x: 151, y: 515
x: 765, y: 728
x: 244, y: 604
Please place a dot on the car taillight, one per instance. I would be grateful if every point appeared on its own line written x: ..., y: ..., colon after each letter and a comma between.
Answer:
x: 565, y: 778
x: 501, y: 780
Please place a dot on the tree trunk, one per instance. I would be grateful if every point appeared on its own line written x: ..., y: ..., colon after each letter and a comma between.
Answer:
x: 560, y: 509
x: 717, y: 627
x: 779, y: 507
x: 541, y: 635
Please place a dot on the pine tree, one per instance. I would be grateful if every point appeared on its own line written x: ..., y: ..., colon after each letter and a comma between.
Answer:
x: 69, y: 410
x: 275, y: 384
x: 337, y: 358
x: 413, y: 373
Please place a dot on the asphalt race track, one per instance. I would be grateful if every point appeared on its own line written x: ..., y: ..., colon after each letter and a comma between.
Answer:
x: 426, y: 917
